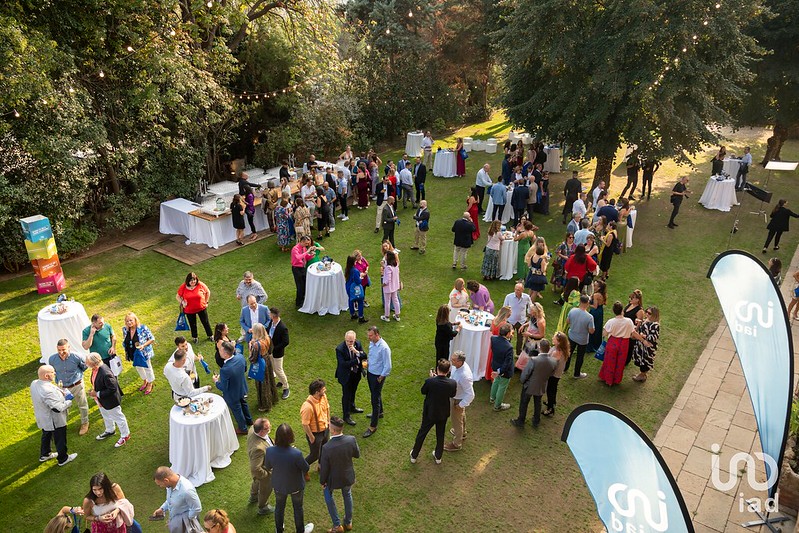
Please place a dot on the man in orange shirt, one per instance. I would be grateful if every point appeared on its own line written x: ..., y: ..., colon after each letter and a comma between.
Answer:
x: 315, y: 415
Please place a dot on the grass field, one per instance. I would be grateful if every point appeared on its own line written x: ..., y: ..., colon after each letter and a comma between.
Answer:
x: 503, y: 480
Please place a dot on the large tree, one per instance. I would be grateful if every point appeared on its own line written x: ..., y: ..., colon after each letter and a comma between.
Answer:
x: 661, y: 74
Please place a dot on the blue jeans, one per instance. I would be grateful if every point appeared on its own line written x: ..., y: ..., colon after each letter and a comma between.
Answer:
x: 359, y: 303
x: 346, y: 493
x: 280, y: 510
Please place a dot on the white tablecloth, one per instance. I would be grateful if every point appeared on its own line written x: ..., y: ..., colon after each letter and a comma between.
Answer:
x: 197, y: 443
x: 224, y: 188
x: 176, y: 220
x: 491, y: 146
x: 731, y: 166
x: 69, y: 325
x: 325, y: 291
x: 413, y: 143
x: 474, y: 341
x: 478, y: 145
x: 719, y: 195
x: 467, y: 143
x: 634, y: 217
x: 553, y: 160
x: 445, y: 164
x: 508, y: 256
x: 507, y: 213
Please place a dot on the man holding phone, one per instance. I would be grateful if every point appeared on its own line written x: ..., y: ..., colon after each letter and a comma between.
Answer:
x: 350, y: 357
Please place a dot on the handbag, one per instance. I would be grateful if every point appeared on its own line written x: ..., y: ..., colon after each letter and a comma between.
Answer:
x: 115, y: 363
x: 464, y: 155
x: 182, y: 324
x: 257, y: 370
x: 600, y: 352
x: 521, y: 362
x: 356, y: 291
x: 139, y: 359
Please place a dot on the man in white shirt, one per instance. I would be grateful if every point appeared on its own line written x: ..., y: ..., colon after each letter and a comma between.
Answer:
x: 406, y: 186
x: 464, y: 395
x: 191, y: 359
x: 482, y: 182
x: 743, y: 170
x: 427, y: 149
x: 599, y: 188
x: 177, y: 374
x: 579, y: 206
x: 519, y: 302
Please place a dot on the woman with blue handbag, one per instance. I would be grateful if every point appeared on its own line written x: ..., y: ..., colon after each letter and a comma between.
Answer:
x: 262, y: 368
x: 138, y: 341
x: 460, y: 158
x: 354, y: 287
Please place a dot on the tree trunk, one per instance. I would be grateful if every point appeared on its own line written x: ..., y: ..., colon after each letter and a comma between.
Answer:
x: 604, y: 166
x: 110, y: 171
x: 782, y: 132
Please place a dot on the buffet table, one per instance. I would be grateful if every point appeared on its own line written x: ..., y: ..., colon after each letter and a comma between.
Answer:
x: 68, y: 325
x: 199, y: 443
x: 445, y: 164
x: 182, y: 217
x: 474, y: 341
x: 413, y: 143
x: 719, y: 195
x: 325, y: 291
x: 508, y: 255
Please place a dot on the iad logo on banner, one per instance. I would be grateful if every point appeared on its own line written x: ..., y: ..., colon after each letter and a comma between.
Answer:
x: 625, y: 502
x: 771, y: 505
x: 748, y: 315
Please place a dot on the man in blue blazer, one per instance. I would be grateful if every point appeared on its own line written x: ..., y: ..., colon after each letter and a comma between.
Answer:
x: 232, y: 381
x: 253, y: 313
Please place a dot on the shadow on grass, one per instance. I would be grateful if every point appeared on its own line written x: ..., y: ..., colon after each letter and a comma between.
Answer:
x: 490, y: 132
x: 18, y: 378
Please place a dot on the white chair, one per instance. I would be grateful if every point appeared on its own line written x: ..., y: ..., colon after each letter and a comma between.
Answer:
x: 478, y: 146
x: 491, y: 146
x: 467, y: 143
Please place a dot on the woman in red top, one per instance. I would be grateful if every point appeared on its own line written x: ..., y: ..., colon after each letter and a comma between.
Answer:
x: 577, y: 266
x: 193, y: 297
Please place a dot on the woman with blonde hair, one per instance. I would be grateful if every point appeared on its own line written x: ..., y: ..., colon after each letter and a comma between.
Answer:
x: 217, y: 521
x: 138, y: 340
x: 64, y: 521
x: 502, y: 317
x: 559, y: 351
x: 490, y: 267
x: 534, y: 329
x: 536, y: 260
x: 261, y: 348
x: 302, y: 219
x: 458, y: 299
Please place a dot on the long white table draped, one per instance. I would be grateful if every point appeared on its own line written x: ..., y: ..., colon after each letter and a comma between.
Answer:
x: 176, y: 220
x: 507, y: 213
x: 68, y: 325
x: 413, y: 143
x: 508, y: 256
x: 445, y: 164
x: 719, y: 195
x: 325, y: 291
x: 473, y: 341
x: 198, y: 443
x: 731, y: 166
x: 553, y: 160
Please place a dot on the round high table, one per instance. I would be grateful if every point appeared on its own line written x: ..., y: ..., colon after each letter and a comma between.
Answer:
x: 508, y: 260
x: 68, y: 325
x: 552, y: 164
x: 445, y: 164
x: 199, y: 443
x: 325, y: 291
x: 474, y: 341
x: 413, y: 143
x: 507, y: 213
x: 719, y: 195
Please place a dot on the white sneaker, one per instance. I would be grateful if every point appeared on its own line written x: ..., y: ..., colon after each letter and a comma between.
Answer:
x: 332, y: 230
x: 51, y: 455
x: 413, y: 459
x: 582, y: 375
x: 308, y: 528
x: 340, y: 217
x: 70, y: 458
x: 438, y: 461
x: 385, y: 318
x: 397, y: 318
x: 345, y: 218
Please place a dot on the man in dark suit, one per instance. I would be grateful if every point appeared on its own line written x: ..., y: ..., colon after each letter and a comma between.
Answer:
x: 232, y: 381
x: 572, y: 191
x: 518, y: 201
x: 253, y: 313
x: 105, y: 389
x: 534, y: 380
x: 419, y: 177
x: 337, y: 472
x: 389, y: 220
x: 438, y: 389
x: 463, y: 228
x: 279, y: 334
x: 350, y: 357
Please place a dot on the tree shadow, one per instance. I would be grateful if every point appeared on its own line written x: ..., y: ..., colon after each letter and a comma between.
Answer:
x: 492, y: 130
x: 18, y: 378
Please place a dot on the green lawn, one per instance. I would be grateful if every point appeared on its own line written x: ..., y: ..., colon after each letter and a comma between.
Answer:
x: 503, y: 480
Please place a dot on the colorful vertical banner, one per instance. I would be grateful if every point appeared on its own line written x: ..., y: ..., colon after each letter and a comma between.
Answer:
x: 758, y: 323
x: 42, y: 252
x: 631, y: 485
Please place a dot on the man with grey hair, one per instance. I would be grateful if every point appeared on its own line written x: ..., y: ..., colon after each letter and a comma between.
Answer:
x: 176, y: 373
x: 69, y: 368
x: 50, y: 406
x: 182, y: 501
x: 406, y: 187
x: 248, y: 286
x: 482, y: 181
x: 422, y: 218
x: 464, y: 395
x: 534, y: 379
x: 108, y: 395
x: 463, y: 229
x: 257, y: 442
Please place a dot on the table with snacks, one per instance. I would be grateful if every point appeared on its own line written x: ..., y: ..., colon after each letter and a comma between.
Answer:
x: 63, y: 320
x: 474, y: 339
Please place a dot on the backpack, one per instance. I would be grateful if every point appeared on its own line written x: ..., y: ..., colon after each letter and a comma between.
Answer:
x: 615, y: 245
